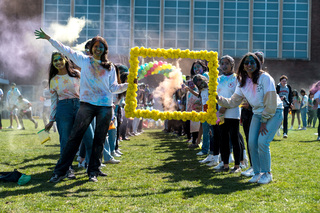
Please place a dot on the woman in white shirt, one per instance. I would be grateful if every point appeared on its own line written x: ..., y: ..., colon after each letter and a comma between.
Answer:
x: 98, y: 82
x: 258, y: 88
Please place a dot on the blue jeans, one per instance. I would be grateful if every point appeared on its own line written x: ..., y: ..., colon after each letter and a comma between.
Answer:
x: 206, y: 137
x: 83, y: 119
x: 260, y: 145
x: 303, y: 112
x: 110, y: 144
x: 65, y: 116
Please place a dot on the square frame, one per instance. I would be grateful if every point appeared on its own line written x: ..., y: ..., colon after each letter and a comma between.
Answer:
x: 131, y: 102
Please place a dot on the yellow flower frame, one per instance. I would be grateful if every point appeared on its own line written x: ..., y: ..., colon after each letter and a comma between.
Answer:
x: 131, y: 101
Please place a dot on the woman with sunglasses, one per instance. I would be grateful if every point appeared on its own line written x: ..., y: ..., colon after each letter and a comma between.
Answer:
x: 98, y: 82
x: 258, y: 88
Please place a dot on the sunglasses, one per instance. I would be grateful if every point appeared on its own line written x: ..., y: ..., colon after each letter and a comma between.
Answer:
x: 249, y: 62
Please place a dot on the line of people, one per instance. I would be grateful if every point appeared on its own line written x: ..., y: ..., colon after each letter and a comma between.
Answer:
x: 261, y: 115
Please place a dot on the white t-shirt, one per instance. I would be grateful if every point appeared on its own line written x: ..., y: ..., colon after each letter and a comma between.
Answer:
x: 204, y: 96
x: 226, y: 87
x: 255, y: 93
x: 23, y: 105
x: 97, y: 83
x: 317, y: 95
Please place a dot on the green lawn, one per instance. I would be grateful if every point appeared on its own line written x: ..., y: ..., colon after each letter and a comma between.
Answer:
x: 158, y: 173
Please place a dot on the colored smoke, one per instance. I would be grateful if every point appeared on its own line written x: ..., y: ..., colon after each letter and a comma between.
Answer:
x: 167, y: 88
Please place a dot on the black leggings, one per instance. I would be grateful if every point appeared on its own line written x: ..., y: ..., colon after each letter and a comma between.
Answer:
x: 230, y: 130
x: 215, y: 139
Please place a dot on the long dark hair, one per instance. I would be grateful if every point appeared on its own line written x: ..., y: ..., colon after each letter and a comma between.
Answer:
x: 242, y: 74
x: 69, y: 66
x: 119, y: 80
x: 105, y: 63
x: 203, y: 65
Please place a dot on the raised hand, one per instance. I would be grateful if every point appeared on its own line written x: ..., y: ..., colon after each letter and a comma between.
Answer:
x: 41, y: 35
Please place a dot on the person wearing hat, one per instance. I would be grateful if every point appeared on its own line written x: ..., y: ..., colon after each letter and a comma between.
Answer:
x: 12, y: 97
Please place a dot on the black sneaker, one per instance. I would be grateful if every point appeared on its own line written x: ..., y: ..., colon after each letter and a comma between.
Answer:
x: 70, y: 174
x: 56, y: 178
x: 222, y: 169
x: 102, y: 174
x: 93, y: 178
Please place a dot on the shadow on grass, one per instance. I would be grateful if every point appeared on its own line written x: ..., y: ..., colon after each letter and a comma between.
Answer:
x: 183, y: 165
x: 309, y: 141
x: 40, y: 183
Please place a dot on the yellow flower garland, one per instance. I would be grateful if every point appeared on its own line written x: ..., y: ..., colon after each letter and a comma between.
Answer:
x: 131, y: 101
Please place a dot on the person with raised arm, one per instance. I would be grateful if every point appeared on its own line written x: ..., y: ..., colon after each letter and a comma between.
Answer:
x: 97, y: 84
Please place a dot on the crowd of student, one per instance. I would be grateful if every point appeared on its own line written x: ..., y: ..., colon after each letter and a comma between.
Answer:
x: 263, y: 107
x: 85, y: 93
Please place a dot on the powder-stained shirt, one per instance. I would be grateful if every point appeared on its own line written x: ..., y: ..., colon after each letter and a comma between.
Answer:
x: 12, y: 96
x: 47, y: 97
x: 317, y: 96
x: 23, y: 104
x: 97, y: 83
x: 304, y: 102
x: 62, y: 87
x: 226, y: 86
x: 261, y: 96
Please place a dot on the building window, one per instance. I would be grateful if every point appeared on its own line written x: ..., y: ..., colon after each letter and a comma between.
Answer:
x: 295, y: 29
x: 146, y: 27
x: 206, y: 24
x: 265, y: 36
x: 90, y: 10
x: 176, y: 28
x: 56, y: 11
x: 235, y: 27
x: 117, y: 16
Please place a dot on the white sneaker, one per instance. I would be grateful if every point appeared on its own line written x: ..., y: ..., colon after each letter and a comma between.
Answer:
x: 114, y: 154
x: 208, y: 159
x: 102, y: 165
x: 201, y: 153
x: 285, y: 135
x: 248, y: 173
x: 82, y: 165
x: 265, y: 178
x: 231, y: 160
x: 19, y: 127
x: 299, y: 127
x: 215, y: 161
x: 220, y: 165
x: 255, y: 178
x: 112, y: 161
x: 118, y: 152
x: 278, y: 132
x: 291, y: 127
x: 242, y: 166
x: 304, y: 128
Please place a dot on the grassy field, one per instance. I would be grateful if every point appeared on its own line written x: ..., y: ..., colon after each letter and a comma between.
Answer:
x: 158, y: 173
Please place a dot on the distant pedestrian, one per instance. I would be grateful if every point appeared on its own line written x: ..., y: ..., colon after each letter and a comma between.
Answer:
x: 25, y: 109
x: 12, y: 97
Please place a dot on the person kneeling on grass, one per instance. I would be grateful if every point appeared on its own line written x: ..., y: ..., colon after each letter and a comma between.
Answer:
x: 258, y: 88
x: 24, y: 107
